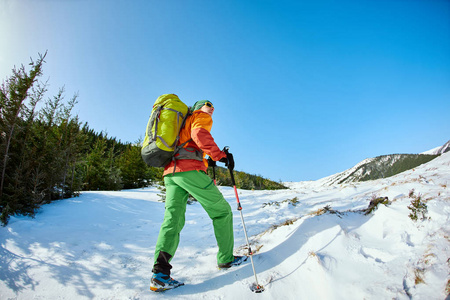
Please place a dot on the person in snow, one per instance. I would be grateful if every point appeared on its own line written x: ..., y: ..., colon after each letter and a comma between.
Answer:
x: 187, y: 175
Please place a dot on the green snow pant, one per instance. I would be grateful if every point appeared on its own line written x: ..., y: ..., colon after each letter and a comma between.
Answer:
x: 202, y: 188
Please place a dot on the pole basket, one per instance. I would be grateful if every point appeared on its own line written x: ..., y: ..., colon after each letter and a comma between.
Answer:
x: 257, y: 288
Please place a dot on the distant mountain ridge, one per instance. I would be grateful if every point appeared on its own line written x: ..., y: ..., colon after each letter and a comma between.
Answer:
x: 439, y: 150
x: 384, y: 166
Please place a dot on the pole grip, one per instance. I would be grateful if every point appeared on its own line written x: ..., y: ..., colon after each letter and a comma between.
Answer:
x: 239, y: 207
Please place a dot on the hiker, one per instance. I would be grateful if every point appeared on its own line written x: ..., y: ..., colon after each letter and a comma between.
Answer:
x: 185, y: 175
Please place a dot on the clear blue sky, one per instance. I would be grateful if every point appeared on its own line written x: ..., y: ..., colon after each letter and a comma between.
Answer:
x: 302, y: 89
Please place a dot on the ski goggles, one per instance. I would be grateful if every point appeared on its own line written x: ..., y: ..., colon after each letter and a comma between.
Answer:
x: 209, y: 104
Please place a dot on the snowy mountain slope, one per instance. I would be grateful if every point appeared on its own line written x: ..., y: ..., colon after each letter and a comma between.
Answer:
x: 379, y: 167
x: 100, y: 245
x: 346, y: 176
x: 383, y: 166
x: 439, y: 150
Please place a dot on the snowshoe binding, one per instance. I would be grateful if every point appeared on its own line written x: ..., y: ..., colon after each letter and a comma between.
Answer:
x: 236, y: 262
x: 161, y: 282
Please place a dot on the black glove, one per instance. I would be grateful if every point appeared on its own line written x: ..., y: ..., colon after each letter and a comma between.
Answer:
x: 211, y: 162
x: 229, y: 161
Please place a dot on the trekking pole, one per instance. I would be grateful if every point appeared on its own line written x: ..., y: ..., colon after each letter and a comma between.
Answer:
x: 257, y: 288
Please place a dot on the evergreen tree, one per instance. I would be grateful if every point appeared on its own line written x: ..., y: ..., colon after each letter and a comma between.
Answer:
x: 135, y: 173
x: 38, y: 149
x: 16, y: 116
x: 244, y: 180
x: 100, y: 171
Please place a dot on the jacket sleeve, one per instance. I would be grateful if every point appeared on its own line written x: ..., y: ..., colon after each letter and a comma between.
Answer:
x: 200, y: 134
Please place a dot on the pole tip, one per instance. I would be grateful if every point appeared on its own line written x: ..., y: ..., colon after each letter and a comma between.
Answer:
x: 256, y: 288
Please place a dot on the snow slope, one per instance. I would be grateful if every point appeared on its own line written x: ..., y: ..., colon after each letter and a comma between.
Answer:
x: 439, y: 150
x: 100, y: 245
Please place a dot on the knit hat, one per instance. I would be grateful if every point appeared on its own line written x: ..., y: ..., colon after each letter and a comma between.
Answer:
x: 199, y: 104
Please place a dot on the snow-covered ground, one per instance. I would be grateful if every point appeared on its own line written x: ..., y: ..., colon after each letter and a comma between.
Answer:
x: 100, y: 245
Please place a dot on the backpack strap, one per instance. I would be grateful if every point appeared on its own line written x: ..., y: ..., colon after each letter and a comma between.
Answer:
x: 154, y: 120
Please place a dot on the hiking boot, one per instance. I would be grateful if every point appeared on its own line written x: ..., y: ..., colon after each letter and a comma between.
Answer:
x: 161, y: 282
x: 236, y: 262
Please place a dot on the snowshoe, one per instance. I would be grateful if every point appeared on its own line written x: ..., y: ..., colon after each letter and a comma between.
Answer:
x: 236, y: 262
x: 161, y: 282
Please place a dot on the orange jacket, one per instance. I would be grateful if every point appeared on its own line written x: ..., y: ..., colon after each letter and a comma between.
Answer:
x: 197, y: 127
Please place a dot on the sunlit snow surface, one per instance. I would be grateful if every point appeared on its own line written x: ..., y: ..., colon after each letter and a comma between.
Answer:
x: 100, y: 245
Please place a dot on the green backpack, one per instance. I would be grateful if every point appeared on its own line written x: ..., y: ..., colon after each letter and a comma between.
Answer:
x: 163, y: 130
